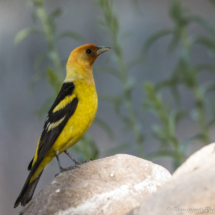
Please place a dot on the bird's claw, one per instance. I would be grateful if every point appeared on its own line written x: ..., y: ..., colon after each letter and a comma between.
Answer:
x: 57, y: 174
x: 77, y: 165
x: 66, y: 169
x: 86, y: 161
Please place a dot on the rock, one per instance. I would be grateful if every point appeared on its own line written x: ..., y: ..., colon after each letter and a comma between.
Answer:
x: 112, y: 185
x: 191, y: 190
x: 199, y: 159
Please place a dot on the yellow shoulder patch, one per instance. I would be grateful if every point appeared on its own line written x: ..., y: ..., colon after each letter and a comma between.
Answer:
x: 64, y: 102
x: 54, y: 124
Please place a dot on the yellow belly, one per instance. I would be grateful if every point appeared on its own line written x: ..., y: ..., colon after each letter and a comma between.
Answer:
x: 77, y: 125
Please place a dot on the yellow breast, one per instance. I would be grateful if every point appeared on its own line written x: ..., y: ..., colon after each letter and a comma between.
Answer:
x: 82, y: 118
x: 77, y: 125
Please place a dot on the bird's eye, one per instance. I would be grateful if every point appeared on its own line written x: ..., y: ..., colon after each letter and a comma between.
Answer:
x: 88, y: 51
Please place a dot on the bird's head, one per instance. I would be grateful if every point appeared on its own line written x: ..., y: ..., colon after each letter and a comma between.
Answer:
x: 85, y: 55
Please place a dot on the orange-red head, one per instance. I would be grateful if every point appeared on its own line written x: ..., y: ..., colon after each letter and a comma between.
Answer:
x: 85, y: 55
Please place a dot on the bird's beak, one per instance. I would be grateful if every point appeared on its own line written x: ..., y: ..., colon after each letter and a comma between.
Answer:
x: 102, y: 49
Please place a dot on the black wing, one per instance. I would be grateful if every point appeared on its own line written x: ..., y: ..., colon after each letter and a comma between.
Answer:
x: 48, y: 137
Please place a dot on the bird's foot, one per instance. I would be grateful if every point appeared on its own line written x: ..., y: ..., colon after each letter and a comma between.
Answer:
x: 77, y: 164
x: 74, y: 160
x: 66, y: 169
x: 86, y: 161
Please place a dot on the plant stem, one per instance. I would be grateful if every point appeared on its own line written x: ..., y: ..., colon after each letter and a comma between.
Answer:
x: 129, y: 106
x: 201, y: 112
x: 179, y: 155
x: 50, y: 37
x: 198, y: 97
x: 112, y: 25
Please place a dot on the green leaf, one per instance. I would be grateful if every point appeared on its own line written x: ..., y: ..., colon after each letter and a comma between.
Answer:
x: 204, y: 23
x: 105, y: 127
x: 178, y: 13
x: 55, y: 14
x: 150, y: 91
x: 154, y: 37
x: 25, y: 33
x: 175, y: 9
x: 73, y: 35
x: 208, y: 43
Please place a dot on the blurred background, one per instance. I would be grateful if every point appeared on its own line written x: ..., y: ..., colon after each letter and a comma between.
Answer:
x: 155, y: 86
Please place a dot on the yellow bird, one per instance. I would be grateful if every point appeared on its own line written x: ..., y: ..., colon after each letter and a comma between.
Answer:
x: 69, y: 118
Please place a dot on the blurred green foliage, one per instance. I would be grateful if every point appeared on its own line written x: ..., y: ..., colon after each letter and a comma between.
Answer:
x: 110, y: 24
x: 167, y: 112
x: 186, y: 74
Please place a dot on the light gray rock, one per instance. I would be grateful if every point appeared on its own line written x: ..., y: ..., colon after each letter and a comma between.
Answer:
x: 191, y: 190
x: 110, y: 186
x: 205, y: 156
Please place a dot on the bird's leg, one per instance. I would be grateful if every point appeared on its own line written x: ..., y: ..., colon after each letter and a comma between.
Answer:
x: 73, y: 159
x: 69, y: 168
x: 61, y: 168
x: 58, y: 161
x: 86, y: 161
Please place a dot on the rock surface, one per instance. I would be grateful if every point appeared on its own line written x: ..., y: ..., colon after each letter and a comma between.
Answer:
x: 113, y: 185
x: 205, y: 156
x: 191, y: 190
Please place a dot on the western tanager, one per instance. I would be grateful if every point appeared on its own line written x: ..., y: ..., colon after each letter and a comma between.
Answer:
x: 69, y: 117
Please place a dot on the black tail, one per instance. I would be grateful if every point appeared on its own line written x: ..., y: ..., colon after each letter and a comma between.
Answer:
x: 27, y: 191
